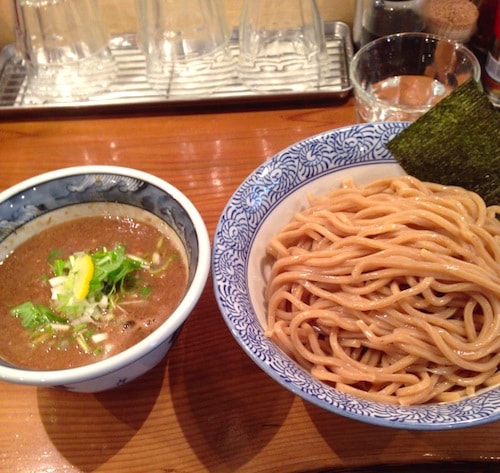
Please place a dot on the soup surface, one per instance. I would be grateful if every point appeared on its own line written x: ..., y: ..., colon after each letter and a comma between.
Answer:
x: 151, y: 294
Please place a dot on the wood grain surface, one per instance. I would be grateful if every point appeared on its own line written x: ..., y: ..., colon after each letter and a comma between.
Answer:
x: 206, y: 407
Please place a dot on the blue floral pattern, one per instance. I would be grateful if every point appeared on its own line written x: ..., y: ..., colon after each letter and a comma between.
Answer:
x: 34, y: 201
x: 260, y: 193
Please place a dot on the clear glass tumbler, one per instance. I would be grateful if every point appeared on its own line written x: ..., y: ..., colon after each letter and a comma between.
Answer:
x: 186, y: 45
x: 282, y: 45
x: 401, y: 76
x: 65, y: 47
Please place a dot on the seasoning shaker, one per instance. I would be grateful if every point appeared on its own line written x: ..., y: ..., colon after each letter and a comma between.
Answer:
x: 492, y: 68
x: 483, y: 37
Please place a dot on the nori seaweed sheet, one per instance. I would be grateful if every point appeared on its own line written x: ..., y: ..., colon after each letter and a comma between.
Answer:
x: 455, y: 143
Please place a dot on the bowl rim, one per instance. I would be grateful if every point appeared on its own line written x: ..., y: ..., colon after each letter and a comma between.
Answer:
x: 167, y: 329
x: 336, y: 406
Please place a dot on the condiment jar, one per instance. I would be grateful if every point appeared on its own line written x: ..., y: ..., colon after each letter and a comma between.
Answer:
x: 376, y: 18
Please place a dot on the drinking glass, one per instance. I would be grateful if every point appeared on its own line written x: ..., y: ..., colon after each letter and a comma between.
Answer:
x: 186, y: 45
x: 65, y: 47
x: 401, y: 76
x: 282, y: 45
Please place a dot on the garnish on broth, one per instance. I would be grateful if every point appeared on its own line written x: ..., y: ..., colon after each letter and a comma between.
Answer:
x: 86, y: 290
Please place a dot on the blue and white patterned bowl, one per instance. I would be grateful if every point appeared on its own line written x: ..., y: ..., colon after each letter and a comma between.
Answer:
x: 267, y: 200
x: 38, y: 196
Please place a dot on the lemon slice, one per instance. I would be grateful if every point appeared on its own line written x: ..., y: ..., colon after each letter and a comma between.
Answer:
x: 83, y: 270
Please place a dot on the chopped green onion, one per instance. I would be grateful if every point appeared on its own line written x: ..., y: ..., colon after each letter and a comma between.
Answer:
x: 112, y: 277
x: 35, y: 316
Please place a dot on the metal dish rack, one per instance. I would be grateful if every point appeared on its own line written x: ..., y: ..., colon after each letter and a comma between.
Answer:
x: 130, y: 90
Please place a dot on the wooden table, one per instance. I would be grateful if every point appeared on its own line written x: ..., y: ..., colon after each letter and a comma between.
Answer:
x: 206, y: 407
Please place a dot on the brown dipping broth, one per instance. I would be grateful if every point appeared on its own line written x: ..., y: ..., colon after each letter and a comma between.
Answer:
x: 25, y: 270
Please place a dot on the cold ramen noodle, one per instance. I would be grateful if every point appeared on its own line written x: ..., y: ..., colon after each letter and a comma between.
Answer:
x: 86, y: 288
x: 391, y: 291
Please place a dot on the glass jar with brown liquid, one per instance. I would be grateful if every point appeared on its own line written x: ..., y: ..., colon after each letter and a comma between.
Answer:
x: 376, y: 18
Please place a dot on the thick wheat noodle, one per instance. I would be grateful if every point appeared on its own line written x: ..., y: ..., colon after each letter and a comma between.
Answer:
x: 391, y: 291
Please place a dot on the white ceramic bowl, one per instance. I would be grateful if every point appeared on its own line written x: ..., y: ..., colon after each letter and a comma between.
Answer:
x: 51, y: 191
x: 267, y: 200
